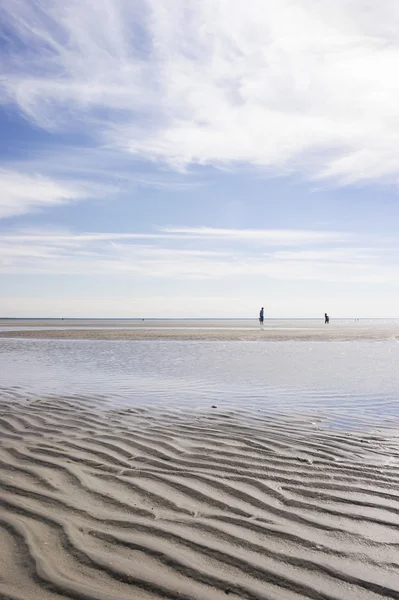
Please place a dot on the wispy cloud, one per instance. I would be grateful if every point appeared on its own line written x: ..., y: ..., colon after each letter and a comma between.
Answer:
x: 62, y: 176
x: 286, y: 85
x: 174, y: 254
x: 274, y: 237
x: 22, y: 193
x: 280, y: 237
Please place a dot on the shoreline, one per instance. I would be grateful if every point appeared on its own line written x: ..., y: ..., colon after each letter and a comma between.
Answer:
x: 273, y: 334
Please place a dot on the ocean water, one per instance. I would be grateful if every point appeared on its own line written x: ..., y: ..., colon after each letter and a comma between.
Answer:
x: 391, y: 325
x: 342, y: 384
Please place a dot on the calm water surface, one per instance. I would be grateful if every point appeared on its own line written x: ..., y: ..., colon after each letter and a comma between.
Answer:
x: 195, y: 324
x: 347, y: 384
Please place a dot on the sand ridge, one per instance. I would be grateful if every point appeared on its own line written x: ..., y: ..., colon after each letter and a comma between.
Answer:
x: 267, y: 334
x: 104, y: 503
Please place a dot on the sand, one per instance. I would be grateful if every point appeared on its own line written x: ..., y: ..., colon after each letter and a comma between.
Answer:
x: 133, y: 503
x: 225, y: 331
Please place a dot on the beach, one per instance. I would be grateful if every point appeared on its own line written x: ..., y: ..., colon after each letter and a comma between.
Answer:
x: 133, y: 503
x: 199, y: 275
x: 177, y: 467
x: 211, y: 330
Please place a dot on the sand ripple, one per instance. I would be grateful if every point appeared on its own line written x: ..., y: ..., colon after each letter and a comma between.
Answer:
x: 135, y: 503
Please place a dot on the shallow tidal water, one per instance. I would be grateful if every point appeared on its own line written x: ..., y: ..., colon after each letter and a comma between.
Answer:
x: 197, y: 469
x: 347, y: 384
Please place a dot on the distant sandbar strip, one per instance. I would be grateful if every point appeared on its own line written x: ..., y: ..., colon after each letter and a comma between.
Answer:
x: 274, y: 334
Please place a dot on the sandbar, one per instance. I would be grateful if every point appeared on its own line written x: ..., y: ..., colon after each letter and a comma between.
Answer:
x: 202, y: 330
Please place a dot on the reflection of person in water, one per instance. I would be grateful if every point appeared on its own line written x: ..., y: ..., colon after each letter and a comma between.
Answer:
x: 261, y: 316
x: 326, y: 318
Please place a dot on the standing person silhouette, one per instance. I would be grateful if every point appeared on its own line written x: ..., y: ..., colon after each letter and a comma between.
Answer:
x: 326, y: 318
x: 261, y: 315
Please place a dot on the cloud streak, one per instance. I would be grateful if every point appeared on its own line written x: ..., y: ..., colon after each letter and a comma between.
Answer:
x: 279, y: 237
x: 60, y: 177
x: 274, y: 237
x: 174, y: 255
x: 22, y: 193
x: 291, y: 86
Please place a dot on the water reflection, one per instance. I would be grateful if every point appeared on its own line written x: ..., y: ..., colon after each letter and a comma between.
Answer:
x: 348, y: 383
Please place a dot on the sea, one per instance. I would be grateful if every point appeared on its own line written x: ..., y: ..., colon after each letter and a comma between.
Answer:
x: 341, y: 384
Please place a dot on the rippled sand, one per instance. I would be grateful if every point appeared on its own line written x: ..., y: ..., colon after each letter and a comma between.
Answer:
x: 135, y: 503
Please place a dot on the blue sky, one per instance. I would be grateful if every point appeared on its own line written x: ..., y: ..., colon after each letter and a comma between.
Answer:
x: 199, y: 158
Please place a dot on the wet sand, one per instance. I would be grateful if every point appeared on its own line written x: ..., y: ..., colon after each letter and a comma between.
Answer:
x: 289, y: 330
x: 101, y: 503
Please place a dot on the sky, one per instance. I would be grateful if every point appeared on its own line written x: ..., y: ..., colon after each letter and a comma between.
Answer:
x: 199, y: 158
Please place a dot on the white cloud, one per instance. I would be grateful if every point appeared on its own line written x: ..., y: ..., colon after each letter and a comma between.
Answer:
x: 174, y: 254
x: 47, y: 178
x: 22, y: 193
x: 274, y: 237
x: 267, y: 236
x: 284, y: 85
